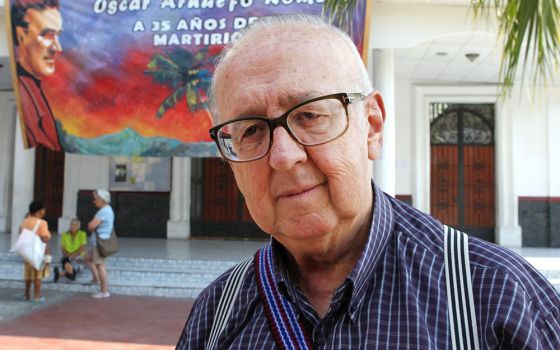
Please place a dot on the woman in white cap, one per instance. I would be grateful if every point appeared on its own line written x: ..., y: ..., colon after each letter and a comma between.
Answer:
x: 102, y: 224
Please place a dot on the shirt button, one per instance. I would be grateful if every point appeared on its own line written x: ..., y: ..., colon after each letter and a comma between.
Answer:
x: 320, y: 341
x: 353, y: 308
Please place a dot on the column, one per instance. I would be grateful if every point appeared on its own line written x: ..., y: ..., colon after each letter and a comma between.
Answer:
x: 553, y: 121
x: 508, y: 231
x: 178, y: 225
x: 8, y: 117
x: 72, y: 175
x: 384, y: 168
x: 23, y: 180
x: 81, y: 172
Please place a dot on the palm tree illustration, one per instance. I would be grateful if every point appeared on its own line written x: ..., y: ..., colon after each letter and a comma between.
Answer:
x: 186, y: 73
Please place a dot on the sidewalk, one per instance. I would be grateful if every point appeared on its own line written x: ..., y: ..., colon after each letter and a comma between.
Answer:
x: 77, y: 321
x: 73, y: 320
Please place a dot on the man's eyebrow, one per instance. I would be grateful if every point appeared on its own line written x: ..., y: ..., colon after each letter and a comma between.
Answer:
x: 288, y: 99
x: 50, y: 31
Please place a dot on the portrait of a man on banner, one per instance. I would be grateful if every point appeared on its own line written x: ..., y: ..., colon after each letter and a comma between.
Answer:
x: 36, y: 26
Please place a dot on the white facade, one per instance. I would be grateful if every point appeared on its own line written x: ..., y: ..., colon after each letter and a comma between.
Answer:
x: 406, y: 39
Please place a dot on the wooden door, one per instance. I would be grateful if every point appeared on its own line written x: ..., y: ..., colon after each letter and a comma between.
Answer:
x: 462, y: 188
x: 217, y: 207
x: 49, y: 183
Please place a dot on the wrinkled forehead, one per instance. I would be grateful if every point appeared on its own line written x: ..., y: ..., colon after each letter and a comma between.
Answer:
x: 48, y: 18
x: 289, y: 34
x: 285, y: 45
x: 284, y: 61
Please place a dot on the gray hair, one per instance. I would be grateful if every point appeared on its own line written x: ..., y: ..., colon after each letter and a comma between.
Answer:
x: 104, y: 195
x: 277, y: 20
x: 76, y: 220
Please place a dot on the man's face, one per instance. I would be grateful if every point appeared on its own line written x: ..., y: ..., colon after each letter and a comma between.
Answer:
x: 38, y: 43
x: 97, y: 201
x: 74, y: 226
x: 297, y: 193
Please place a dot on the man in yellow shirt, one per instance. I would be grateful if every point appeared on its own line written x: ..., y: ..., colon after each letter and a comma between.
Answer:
x: 72, y: 245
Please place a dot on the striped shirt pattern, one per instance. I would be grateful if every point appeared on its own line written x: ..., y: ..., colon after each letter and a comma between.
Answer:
x: 395, y: 297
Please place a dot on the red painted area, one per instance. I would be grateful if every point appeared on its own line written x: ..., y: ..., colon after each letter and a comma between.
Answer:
x: 107, y: 101
x: 119, y: 322
x: 540, y: 199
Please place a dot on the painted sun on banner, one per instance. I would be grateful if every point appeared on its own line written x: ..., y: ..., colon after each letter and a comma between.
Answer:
x: 129, y: 77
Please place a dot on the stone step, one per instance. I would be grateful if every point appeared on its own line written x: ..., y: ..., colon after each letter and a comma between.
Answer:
x: 128, y: 276
x: 153, y: 291
x: 146, y: 264
x: 166, y: 277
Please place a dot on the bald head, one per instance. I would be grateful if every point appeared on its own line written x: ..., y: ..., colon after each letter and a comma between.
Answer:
x: 288, y: 43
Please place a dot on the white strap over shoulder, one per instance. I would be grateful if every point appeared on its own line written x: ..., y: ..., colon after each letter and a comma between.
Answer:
x: 36, y: 225
x: 225, y: 305
x: 460, y: 300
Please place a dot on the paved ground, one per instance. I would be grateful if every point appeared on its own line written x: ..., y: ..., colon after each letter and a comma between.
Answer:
x: 76, y: 321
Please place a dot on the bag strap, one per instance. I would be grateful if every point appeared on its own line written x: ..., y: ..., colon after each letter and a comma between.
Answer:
x: 460, y: 300
x: 225, y: 305
x: 36, y: 225
x: 288, y: 332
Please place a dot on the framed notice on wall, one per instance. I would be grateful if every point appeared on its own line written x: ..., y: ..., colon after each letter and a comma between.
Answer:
x: 140, y: 174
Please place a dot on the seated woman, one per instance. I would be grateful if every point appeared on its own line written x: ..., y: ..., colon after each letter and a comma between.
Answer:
x: 72, y: 245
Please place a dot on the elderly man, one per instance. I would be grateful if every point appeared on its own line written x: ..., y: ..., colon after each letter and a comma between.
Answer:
x: 36, y: 27
x: 72, y: 246
x: 348, y: 267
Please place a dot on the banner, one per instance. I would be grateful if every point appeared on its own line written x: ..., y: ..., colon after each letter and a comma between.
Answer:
x: 129, y: 77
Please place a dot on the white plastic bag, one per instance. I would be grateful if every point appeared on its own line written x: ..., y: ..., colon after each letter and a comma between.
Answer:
x: 30, y: 247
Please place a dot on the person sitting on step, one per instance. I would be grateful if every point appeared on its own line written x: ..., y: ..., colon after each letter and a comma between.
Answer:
x: 72, y: 245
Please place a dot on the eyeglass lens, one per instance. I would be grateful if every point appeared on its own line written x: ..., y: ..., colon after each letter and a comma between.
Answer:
x: 310, y: 124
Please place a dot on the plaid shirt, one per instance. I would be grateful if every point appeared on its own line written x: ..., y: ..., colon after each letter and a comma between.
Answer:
x: 395, y: 297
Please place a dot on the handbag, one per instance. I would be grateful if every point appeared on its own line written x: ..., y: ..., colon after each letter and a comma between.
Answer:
x: 107, y: 247
x: 30, y: 247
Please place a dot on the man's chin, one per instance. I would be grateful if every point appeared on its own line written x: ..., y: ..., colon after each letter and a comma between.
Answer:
x: 304, y: 228
x: 48, y: 70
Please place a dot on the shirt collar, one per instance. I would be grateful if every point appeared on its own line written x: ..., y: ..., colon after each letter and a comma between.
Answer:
x: 281, y: 259
x: 376, y: 246
x: 23, y: 73
x: 380, y: 231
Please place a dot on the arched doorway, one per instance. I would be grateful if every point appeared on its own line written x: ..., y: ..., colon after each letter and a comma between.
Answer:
x: 462, y: 177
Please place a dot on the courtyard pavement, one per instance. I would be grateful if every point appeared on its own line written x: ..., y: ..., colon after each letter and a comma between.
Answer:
x: 69, y: 321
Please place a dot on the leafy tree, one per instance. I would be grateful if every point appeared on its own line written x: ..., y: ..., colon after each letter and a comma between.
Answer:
x: 529, y: 28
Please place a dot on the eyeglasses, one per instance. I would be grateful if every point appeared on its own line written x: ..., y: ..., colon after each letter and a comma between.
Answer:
x: 311, y: 123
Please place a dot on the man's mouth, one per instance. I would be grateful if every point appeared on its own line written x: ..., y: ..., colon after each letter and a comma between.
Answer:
x: 298, y: 191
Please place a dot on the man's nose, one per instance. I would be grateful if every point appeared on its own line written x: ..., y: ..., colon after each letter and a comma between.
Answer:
x: 56, y: 45
x: 285, y: 152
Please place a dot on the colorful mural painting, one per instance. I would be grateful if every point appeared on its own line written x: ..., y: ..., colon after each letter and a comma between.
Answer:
x: 128, y: 77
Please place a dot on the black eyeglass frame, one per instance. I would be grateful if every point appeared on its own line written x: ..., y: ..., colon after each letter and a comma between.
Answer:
x: 344, y: 97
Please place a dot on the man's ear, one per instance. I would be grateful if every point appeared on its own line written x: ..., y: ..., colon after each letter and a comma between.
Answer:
x: 375, y: 112
x: 20, y: 34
